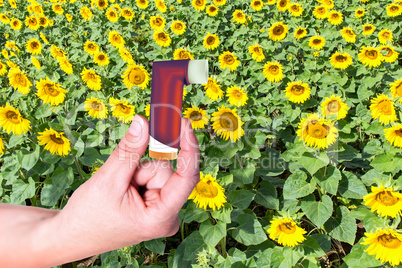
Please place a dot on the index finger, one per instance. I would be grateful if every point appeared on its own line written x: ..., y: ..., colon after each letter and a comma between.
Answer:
x: 180, y: 185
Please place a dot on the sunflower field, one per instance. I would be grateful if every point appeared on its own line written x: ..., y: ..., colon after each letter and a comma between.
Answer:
x: 299, y: 123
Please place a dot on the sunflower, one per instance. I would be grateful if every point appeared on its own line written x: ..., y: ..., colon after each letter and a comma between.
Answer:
x: 394, y: 136
x: 43, y: 21
x: 385, y: 244
x: 12, y: 65
x: 208, y: 193
x: 382, y: 107
x: 317, y: 42
x: 116, y: 40
x: 34, y: 46
x: 65, y: 65
x: 271, y: 2
x: 329, y: 4
x: 228, y: 60
x: 370, y: 56
x: 227, y: 124
x: 178, y: 27
x: 143, y: 4
x: 348, y: 34
x: 257, y: 5
x: 161, y: 6
x: 341, y: 60
x: 101, y: 58
x: 212, y: 10
x: 58, y: 9
x: 295, y: 9
x: 157, y: 22
x: 237, y: 96
x: 102, y: 4
x: 335, y: 17
x: 213, y: 89
x: 287, y: 231
x: 57, y: 52
x: 95, y: 108
x: 32, y: 22
x: 389, y: 54
x: 35, y: 62
x: 384, y: 36
x: 12, y: 121
x: 182, y: 54
x: 316, y: 132
x: 116, y: 7
x: 162, y: 38
x: 4, y: 19
x: 199, y: 4
x: 136, y: 76
x: 54, y: 142
x: 3, y: 69
x: 300, y: 33
x: 211, y: 41
x: 256, y: 52
x: 334, y: 105
x: 394, y: 10
x: 69, y: 17
x: 125, y: 55
x: 197, y: 116
x: 112, y: 15
x: 278, y: 31
x: 127, y: 13
x: 44, y: 39
x: 273, y: 71
x: 13, y: 3
x: 239, y: 16
x: 91, y: 47
x: 396, y: 88
x: 50, y: 92
x: 320, y: 12
x: 86, y: 13
x: 219, y: 2
x: 297, y: 92
x: 15, y: 24
x: 282, y: 5
x: 91, y: 79
x: 19, y: 81
x: 1, y: 146
x: 359, y: 12
x: 123, y: 111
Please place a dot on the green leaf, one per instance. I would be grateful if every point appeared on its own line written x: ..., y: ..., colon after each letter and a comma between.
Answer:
x: 317, y: 212
x: 22, y: 191
x: 359, y: 258
x: 43, y: 111
x: 383, y: 162
x: 28, y: 159
x: 250, y: 231
x: 89, y: 157
x: 223, y: 214
x: 188, y: 250
x: 285, y: 257
x: 310, y: 248
x: 212, y: 234
x: 313, y: 163
x: 15, y: 140
x: 241, y: 198
x: 156, y: 245
x: 266, y: 195
x: 351, y: 187
x: 343, y: 226
x: 246, y: 174
x: 53, y: 190
x: 296, y: 186
x: 192, y: 213
x: 328, y: 178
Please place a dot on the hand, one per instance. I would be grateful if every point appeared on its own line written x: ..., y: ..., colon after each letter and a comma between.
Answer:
x: 108, y: 212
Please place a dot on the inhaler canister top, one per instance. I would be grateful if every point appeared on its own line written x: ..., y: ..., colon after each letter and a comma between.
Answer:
x: 195, y: 72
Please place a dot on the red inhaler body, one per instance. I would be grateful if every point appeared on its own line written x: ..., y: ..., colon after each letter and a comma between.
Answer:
x: 168, y: 79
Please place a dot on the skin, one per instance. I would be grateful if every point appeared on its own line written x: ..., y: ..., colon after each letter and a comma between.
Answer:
x: 107, y: 212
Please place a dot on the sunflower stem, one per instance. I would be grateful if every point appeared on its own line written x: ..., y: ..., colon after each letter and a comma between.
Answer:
x: 182, y: 230
x: 79, y: 168
x: 223, y: 246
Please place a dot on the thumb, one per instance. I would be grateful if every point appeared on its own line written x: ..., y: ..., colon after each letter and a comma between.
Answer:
x: 122, y: 163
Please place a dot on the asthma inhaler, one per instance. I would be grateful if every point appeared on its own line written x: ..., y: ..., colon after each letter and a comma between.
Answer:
x: 168, y: 79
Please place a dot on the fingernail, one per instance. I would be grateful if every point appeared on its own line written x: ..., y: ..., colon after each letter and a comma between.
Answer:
x: 136, y: 126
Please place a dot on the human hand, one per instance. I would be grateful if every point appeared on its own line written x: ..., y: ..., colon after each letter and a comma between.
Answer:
x: 108, y: 212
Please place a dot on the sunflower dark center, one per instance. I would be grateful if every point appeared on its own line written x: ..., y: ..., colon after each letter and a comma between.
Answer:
x: 321, y: 10
x: 316, y: 41
x: 387, y: 198
x: 273, y: 69
x: 162, y: 37
x: 50, y: 89
x: 20, y: 79
x: 13, y: 117
x: 229, y: 59
x: 136, y: 76
x: 195, y: 116
x: 371, y: 54
x: 333, y: 106
x: 96, y: 106
x: 206, y: 189
x: 228, y: 121
x: 123, y: 108
x: 340, y: 58
x: 287, y: 227
x: 385, y: 107
x: 317, y: 130
x: 210, y: 40
x: 297, y: 90
x: 389, y: 241
x: 278, y: 30
x: 57, y: 140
